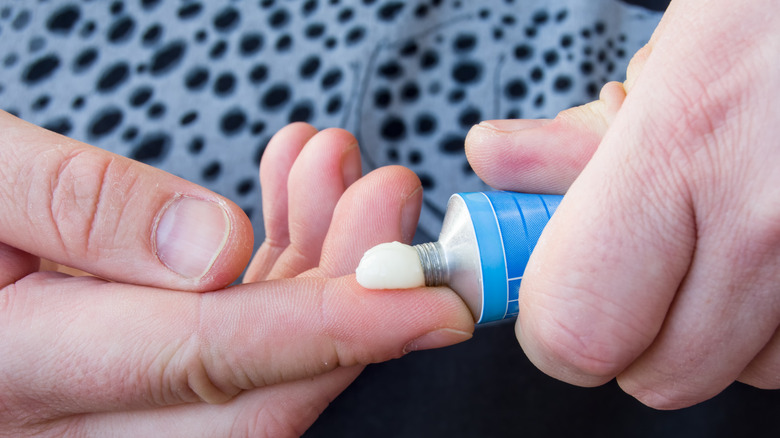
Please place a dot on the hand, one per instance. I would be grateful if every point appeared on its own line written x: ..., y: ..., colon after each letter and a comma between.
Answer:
x: 88, y: 356
x: 662, y: 265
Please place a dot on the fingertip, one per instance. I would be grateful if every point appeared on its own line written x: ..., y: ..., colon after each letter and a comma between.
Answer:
x: 512, y: 125
x: 613, y: 92
x: 392, y: 183
x: 542, y: 156
x: 563, y: 351
x: 637, y: 64
x: 101, y: 213
x: 236, y: 253
x: 207, y: 241
x: 402, y: 190
x: 668, y: 396
x: 494, y: 152
x: 323, y: 169
x: 612, y: 96
x: 380, y: 207
x: 329, y: 153
x: 285, y: 145
x: 338, y: 139
x: 423, y: 318
x: 535, y: 156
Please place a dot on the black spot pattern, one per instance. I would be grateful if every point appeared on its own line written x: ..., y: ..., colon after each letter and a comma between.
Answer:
x: 64, y: 19
x: 233, y: 121
x: 105, y: 122
x: 40, y: 69
x: 113, y: 77
x: 167, y: 57
x: 152, y: 148
x: 187, y: 85
x: 121, y: 30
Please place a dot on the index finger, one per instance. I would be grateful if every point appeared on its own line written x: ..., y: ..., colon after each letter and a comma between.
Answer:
x: 84, y: 207
x: 100, y: 346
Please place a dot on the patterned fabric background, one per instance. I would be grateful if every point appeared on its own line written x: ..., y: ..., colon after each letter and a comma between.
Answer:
x: 198, y: 88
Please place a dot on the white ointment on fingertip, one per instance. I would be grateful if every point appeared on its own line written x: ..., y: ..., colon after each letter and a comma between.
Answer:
x: 390, y: 266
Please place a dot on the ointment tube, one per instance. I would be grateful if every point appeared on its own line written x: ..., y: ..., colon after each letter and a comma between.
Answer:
x: 484, y: 246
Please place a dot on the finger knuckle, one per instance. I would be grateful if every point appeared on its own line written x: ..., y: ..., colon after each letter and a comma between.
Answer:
x: 764, y: 371
x: 664, y: 397
x: 579, y: 349
x: 199, y: 369
x: 82, y: 207
x: 698, y: 113
x: 335, y: 353
x: 767, y: 381
x: 587, y: 332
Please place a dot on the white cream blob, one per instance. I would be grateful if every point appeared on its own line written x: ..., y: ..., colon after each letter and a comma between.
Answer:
x: 390, y: 266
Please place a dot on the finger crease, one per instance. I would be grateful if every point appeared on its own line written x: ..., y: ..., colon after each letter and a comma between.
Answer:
x: 335, y: 358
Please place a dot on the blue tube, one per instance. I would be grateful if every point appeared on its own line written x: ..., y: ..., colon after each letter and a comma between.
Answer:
x: 507, y: 226
x: 484, y: 247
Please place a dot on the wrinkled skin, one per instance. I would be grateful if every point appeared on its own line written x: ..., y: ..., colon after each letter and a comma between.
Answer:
x: 662, y: 265
x: 156, y: 353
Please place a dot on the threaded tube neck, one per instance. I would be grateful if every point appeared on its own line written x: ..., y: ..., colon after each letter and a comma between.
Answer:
x: 432, y: 262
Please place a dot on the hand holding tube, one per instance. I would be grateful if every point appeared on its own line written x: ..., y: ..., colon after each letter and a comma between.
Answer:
x: 662, y: 265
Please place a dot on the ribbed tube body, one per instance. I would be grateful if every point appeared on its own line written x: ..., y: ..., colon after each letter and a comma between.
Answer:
x: 484, y: 246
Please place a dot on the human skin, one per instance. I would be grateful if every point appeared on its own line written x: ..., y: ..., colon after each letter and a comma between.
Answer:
x: 661, y: 266
x: 153, y: 352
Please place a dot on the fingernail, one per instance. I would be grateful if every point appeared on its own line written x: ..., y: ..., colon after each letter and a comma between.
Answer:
x: 190, y: 234
x: 437, y: 339
x: 512, y: 125
x: 410, y: 214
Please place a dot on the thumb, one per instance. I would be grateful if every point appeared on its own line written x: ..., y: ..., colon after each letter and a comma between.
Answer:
x: 605, y: 271
x: 86, y: 208
x: 542, y: 156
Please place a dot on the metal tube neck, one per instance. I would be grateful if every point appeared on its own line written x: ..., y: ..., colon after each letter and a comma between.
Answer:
x: 432, y: 261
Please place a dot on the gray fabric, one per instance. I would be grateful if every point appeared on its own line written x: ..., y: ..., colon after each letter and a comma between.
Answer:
x: 198, y: 88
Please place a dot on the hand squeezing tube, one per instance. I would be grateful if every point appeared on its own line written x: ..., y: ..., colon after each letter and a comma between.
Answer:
x: 482, y: 251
